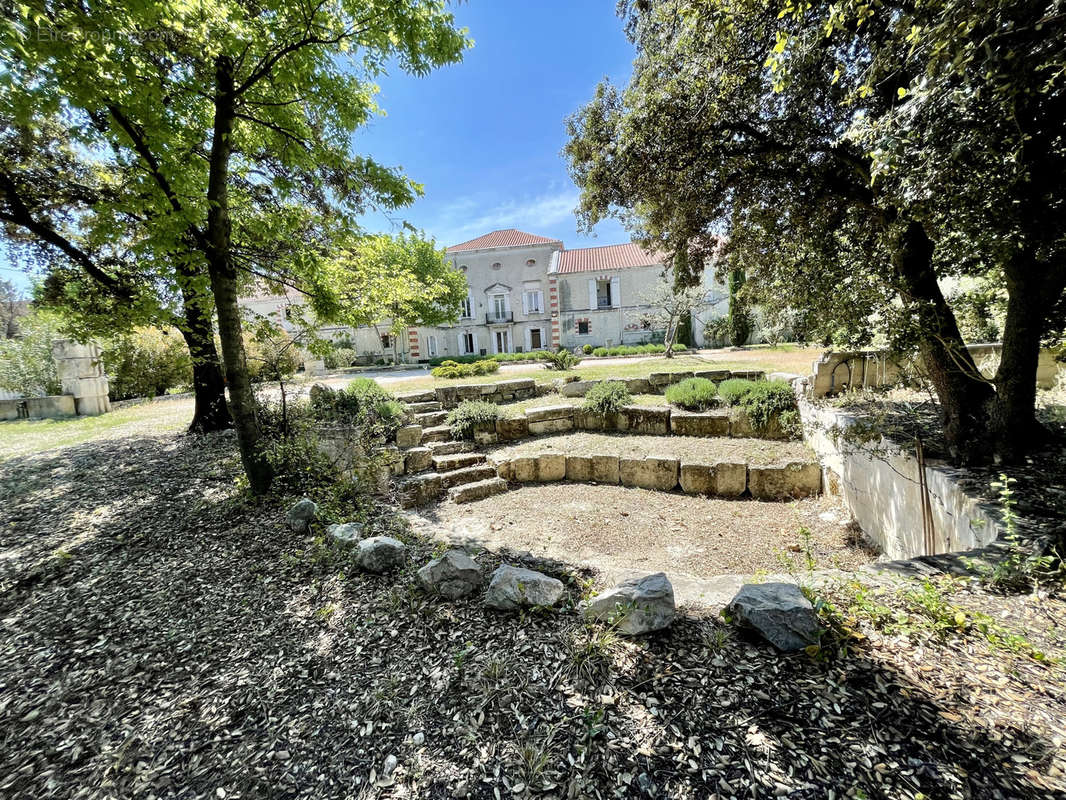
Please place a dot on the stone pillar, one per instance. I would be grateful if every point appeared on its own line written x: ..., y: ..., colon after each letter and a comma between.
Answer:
x: 314, y: 367
x: 81, y: 371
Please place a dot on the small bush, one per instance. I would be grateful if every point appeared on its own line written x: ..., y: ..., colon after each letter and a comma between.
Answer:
x: 766, y: 400
x: 469, y: 413
x: 563, y: 361
x: 694, y: 394
x: 341, y: 358
x: 532, y: 355
x: 734, y: 390
x: 599, y: 352
x: 606, y: 397
x: 454, y: 369
x: 586, y: 349
x: 146, y: 363
x: 363, y: 403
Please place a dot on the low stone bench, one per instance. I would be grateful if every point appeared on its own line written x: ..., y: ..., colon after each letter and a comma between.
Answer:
x: 705, y: 423
x: 720, y: 479
x: 550, y: 419
x: 592, y: 469
x: 650, y: 472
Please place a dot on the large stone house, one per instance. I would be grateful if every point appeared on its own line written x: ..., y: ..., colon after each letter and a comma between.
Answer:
x: 528, y: 292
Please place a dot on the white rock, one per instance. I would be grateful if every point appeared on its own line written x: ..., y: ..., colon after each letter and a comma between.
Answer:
x: 346, y: 534
x: 514, y: 587
x: 779, y: 612
x: 380, y: 553
x: 301, y: 514
x: 636, y: 606
x: 452, y: 575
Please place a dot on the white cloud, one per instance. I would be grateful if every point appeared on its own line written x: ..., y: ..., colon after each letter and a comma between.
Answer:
x: 459, y: 220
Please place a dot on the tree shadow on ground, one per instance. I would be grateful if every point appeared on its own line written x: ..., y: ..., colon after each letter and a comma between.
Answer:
x: 185, y: 642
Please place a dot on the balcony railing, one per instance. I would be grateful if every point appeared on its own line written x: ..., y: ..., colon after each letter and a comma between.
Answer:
x: 499, y: 319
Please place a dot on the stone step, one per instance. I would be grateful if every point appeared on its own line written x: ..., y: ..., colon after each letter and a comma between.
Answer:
x: 448, y: 448
x: 419, y: 408
x: 448, y: 463
x: 431, y: 419
x: 423, y: 396
x: 439, y: 433
x: 457, y: 477
x: 420, y: 490
x: 468, y: 492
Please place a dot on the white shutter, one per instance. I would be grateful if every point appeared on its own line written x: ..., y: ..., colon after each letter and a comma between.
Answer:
x: 475, y: 345
x: 525, y: 303
x: 592, y: 293
x: 616, y: 292
x: 529, y: 339
x: 507, y: 304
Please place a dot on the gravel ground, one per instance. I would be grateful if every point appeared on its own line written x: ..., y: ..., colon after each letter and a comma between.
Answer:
x: 690, y: 448
x: 616, y: 528
x: 163, y: 638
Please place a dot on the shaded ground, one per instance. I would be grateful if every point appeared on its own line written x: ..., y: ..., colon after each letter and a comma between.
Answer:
x: 161, y: 638
x: 616, y: 529
x: 705, y: 450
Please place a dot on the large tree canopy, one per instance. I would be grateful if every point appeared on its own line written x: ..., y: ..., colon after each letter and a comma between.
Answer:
x: 230, y: 124
x: 856, y: 155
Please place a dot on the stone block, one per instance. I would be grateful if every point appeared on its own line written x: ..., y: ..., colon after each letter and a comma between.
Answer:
x: 485, y: 433
x: 739, y: 424
x: 638, y: 385
x: 779, y: 612
x: 425, y: 396
x: 63, y: 349
x: 447, y: 396
x: 421, y: 490
x: 677, y: 377
x: 785, y: 481
x: 51, y: 407
x: 649, y: 473
x: 659, y: 379
x: 469, y: 492
x: 9, y: 409
x: 636, y: 606
x: 409, y: 436
x: 516, y: 385
x: 588, y: 469
x: 550, y: 412
x: 720, y: 479
x: 707, y: 423
x: 576, y: 388
x: 417, y: 459
x: 79, y: 368
x: 644, y: 419
x: 85, y: 387
x: 588, y: 420
x: 716, y: 375
x: 487, y: 389
x: 504, y: 468
x: 511, y: 588
x: 510, y: 429
x: 92, y: 406
x: 551, y: 426
x: 551, y: 466
x: 468, y: 391
x: 524, y: 469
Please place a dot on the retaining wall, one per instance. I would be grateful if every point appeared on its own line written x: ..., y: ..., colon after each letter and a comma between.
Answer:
x: 879, y: 484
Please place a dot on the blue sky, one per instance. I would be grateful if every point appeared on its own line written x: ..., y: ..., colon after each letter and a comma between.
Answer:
x: 484, y: 136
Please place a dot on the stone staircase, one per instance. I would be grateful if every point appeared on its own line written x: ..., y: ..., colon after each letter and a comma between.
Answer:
x: 436, y: 464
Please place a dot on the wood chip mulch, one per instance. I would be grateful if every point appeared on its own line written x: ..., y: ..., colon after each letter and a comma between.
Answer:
x: 161, y: 638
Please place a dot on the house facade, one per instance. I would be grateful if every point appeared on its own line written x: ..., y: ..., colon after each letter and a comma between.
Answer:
x: 528, y: 292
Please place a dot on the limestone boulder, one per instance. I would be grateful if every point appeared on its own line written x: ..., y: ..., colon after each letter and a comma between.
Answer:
x: 576, y: 388
x: 512, y: 588
x: 409, y: 436
x: 452, y: 575
x: 592, y: 469
x: 513, y: 428
x: 417, y: 459
x: 779, y: 612
x: 785, y: 481
x: 380, y: 554
x: 707, y: 423
x: 636, y: 606
x: 345, y: 535
x: 301, y: 515
x: 644, y: 419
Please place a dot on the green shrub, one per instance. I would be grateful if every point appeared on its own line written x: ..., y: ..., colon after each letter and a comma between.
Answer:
x: 734, y: 390
x: 599, y: 351
x: 146, y: 363
x: 766, y: 400
x: 362, y: 403
x: 563, y: 361
x: 606, y: 397
x: 341, y: 358
x: 26, y: 363
x: 469, y: 413
x: 586, y: 349
x: 694, y: 394
x: 453, y: 369
x: 680, y: 347
x: 532, y: 355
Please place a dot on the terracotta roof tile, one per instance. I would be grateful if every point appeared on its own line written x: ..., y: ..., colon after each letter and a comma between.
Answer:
x: 505, y: 238
x: 613, y: 256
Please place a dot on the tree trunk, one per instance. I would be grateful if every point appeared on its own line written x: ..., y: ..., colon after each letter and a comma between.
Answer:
x: 1032, y: 290
x: 209, y: 388
x: 964, y: 396
x: 224, y: 283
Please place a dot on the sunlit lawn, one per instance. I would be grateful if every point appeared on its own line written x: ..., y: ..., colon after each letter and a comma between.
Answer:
x: 20, y: 437
x: 783, y: 358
